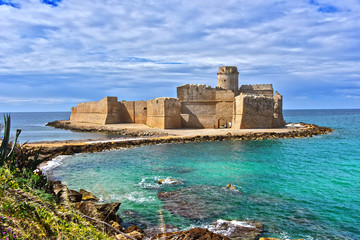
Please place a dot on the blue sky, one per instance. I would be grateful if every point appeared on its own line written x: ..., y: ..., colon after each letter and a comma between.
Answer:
x: 56, y: 53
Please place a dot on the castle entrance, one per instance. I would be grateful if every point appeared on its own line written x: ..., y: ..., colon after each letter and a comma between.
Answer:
x: 222, y: 123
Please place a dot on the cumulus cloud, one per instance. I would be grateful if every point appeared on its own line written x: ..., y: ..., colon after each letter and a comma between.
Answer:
x: 139, y: 49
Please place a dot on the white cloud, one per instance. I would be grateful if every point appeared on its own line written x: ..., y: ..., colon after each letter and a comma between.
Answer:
x: 107, y: 43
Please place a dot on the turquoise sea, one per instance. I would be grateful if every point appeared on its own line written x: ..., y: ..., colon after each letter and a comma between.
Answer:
x: 299, y: 188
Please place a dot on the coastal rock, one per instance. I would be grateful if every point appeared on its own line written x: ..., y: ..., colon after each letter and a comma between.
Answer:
x: 116, y: 225
x: 133, y: 228
x: 60, y: 191
x: 192, y: 234
x: 270, y: 238
x: 105, y: 212
x: 229, y: 186
x: 88, y: 196
x: 74, y: 196
x: 237, y: 230
x: 135, y: 234
x: 169, y: 181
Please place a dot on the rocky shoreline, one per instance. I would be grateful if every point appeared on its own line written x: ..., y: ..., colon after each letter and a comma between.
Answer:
x: 89, y: 205
x: 104, y: 217
x: 66, y: 148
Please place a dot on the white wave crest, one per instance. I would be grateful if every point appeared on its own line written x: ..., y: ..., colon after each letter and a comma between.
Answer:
x: 53, y: 163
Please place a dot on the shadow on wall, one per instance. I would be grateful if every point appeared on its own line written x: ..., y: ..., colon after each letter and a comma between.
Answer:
x: 190, y: 120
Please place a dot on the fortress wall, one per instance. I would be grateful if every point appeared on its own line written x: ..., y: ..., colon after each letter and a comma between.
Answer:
x: 163, y: 113
x: 278, y: 111
x: 193, y: 92
x: 94, y: 112
x: 126, y: 111
x: 224, y: 113
x: 133, y: 111
x: 113, y: 109
x: 252, y: 111
x: 224, y: 95
x: 264, y: 89
x: 202, y: 107
x: 198, y: 114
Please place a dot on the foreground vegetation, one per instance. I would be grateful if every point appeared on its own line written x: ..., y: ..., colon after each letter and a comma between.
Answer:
x: 28, y: 208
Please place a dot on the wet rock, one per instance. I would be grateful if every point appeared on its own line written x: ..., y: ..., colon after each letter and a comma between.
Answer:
x: 105, y: 212
x: 237, y: 230
x: 88, y: 196
x: 154, y: 230
x: 192, y: 234
x: 169, y: 181
x: 229, y: 186
x: 187, y: 202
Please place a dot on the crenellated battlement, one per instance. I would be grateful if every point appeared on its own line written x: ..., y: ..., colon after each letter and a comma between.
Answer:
x: 262, y: 89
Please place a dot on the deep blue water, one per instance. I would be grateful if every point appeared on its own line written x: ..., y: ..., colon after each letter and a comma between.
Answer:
x: 299, y: 188
x: 33, y: 127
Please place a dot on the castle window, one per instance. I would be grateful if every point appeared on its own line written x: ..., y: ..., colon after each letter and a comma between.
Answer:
x: 145, y: 108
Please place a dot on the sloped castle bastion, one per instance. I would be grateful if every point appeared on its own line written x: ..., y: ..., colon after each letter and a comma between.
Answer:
x: 196, y: 106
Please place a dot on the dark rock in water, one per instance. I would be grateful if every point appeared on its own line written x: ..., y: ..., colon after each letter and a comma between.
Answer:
x: 237, y: 230
x: 188, y: 203
x: 74, y: 196
x: 88, y: 196
x: 105, y: 212
x: 154, y: 230
x: 185, y: 170
x: 192, y: 234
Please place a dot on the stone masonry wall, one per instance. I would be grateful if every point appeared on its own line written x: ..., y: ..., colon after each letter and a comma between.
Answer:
x: 102, y: 112
x: 133, y: 112
x: 278, y: 111
x: 164, y: 113
x: 253, y: 111
x: 204, y: 107
x: 264, y: 89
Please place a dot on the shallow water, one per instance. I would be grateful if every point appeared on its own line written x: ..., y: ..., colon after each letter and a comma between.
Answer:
x: 299, y: 188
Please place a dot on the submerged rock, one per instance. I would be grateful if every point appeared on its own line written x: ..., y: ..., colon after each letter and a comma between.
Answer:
x: 237, y: 230
x: 192, y: 234
x: 197, y: 202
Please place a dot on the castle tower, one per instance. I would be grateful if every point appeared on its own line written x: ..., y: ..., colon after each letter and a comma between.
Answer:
x: 228, y: 78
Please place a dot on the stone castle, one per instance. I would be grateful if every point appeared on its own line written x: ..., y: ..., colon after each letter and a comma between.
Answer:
x: 196, y: 106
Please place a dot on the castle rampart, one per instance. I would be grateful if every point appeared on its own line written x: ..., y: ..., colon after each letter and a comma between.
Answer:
x: 264, y: 89
x: 196, y: 106
x: 164, y: 113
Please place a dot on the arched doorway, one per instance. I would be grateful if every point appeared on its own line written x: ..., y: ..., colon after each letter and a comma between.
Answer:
x: 222, y: 123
